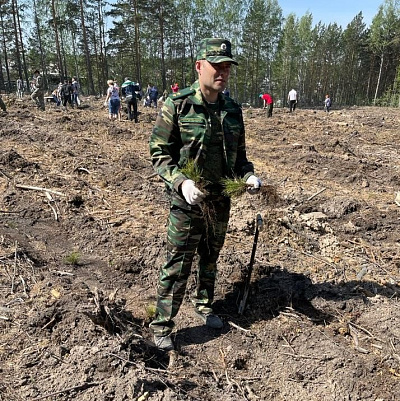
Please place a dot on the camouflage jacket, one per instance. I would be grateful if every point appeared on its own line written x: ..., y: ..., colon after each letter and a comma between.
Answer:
x: 38, y: 83
x: 182, y: 132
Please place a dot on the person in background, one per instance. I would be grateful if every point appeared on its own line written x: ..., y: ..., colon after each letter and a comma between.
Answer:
x: 188, y: 119
x: 130, y: 91
x: 120, y: 105
x: 268, y: 103
x: 38, y: 90
x: 175, y: 88
x: 292, y: 100
x: 164, y: 95
x: 75, y: 92
x: 56, y: 96
x: 327, y: 103
x: 20, y: 88
x: 66, y: 94
x: 113, y: 100
x: 153, y: 95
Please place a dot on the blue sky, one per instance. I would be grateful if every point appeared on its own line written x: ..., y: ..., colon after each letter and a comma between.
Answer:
x: 329, y: 11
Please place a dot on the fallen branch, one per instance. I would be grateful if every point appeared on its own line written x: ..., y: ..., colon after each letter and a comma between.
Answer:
x: 83, y: 169
x: 151, y: 176
x: 53, y: 209
x: 50, y: 201
x: 305, y: 381
x: 61, y: 273
x: 354, y: 335
x: 23, y: 285
x: 39, y: 189
x: 68, y: 389
x: 41, y: 118
x: 290, y: 315
x: 15, y: 268
x: 288, y: 345
x: 5, y: 174
x: 301, y: 356
x: 239, y: 328
x: 316, y: 194
x: 365, y: 331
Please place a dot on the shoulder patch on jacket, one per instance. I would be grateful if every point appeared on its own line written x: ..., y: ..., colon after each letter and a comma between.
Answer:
x: 181, y: 94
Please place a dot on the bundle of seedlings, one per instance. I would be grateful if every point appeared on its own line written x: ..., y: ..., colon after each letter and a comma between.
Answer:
x: 193, y: 172
x: 236, y: 187
x: 232, y: 188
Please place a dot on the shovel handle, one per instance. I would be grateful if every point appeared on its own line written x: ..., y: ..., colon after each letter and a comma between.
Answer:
x: 259, y: 225
x: 259, y: 222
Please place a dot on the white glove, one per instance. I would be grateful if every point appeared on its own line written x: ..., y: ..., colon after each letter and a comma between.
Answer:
x: 105, y: 104
x: 192, y: 194
x: 254, y: 184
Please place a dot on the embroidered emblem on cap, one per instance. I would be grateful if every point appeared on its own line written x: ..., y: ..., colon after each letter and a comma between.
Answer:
x: 223, y: 46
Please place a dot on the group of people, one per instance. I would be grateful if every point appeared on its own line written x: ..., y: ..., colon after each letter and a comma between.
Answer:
x: 67, y: 93
x: 268, y: 102
x: 130, y: 92
x: 292, y: 101
x: 151, y: 96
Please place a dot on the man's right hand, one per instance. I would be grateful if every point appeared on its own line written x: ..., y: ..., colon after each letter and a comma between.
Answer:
x: 191, y: 193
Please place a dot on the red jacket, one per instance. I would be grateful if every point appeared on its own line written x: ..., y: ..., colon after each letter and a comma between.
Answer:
x: 267, y: 98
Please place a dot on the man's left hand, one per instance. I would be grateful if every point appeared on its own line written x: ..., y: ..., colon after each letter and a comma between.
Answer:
x: 254, y: 184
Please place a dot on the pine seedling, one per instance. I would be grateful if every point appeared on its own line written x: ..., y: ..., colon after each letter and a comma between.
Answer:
x: 73, y: 258
x: 233, y: 187
x: 151, y: 310
x: 192, y: 171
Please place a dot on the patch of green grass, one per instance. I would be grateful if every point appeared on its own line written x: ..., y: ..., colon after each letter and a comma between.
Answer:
x: 73, y: 258
x: 151, y: 311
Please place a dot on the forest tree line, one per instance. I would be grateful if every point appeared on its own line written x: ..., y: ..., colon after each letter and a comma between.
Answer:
x: 154, y: 41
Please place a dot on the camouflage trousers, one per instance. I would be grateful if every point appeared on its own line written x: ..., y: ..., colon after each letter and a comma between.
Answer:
x: 38, y: 97
x: 189, y: 231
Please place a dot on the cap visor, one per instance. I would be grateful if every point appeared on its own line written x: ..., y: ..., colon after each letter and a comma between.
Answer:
x: 221, y: 59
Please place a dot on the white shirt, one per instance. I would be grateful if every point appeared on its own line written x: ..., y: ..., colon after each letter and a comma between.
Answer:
x: 292, y: 95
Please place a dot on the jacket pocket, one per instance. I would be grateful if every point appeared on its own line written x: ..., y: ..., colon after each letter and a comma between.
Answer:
x: 192, y: 127
x: 193, y: 131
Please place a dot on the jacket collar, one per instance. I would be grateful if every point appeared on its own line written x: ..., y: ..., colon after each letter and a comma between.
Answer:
x: 197, y: 97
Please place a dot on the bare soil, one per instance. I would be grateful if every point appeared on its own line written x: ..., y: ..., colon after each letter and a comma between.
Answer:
x: 82, y: 237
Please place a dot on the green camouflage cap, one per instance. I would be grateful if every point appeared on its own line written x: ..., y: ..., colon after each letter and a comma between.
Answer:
x: 215, y: 50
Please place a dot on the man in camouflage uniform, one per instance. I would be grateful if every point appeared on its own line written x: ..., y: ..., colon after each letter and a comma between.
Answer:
x: 38, y: 90
x: 197, y: 124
